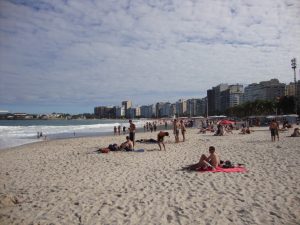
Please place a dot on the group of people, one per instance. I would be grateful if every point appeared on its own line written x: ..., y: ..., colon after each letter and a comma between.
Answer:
x: 274, y: 129
x: 129, y: 144
x: 117, y: 130
x: 179, y: 126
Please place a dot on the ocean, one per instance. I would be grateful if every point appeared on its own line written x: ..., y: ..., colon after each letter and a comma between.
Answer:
x: 19, y: 132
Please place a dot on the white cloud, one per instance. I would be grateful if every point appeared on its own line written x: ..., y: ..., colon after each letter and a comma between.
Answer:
x: 106, y: 51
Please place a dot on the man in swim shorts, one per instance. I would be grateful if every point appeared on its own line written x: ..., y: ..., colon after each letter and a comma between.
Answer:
x: 160, y: 139
x: 127, y: 145
x: 274, y: 130
x: 131, y: 131
x: 176, y: 127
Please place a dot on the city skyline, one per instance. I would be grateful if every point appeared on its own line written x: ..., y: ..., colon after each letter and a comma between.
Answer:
x: 71, y: 56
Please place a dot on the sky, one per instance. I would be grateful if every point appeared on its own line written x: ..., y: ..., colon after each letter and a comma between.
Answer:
x: 70, y: 56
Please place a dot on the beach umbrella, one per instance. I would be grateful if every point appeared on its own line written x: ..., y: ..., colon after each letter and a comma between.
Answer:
x: 226, y: 122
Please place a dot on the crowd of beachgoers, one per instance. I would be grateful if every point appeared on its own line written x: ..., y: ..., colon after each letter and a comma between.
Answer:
x: 184, y: 172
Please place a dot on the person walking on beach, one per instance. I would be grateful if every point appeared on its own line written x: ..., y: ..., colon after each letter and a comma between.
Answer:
x: 115, y: 130
x: 274, y: 130
x: 183, y: 129
x: 119, y: 130
x: 176, y: 130
x: 124, y: 130
x: 160, y: 139
x: 131, y: 131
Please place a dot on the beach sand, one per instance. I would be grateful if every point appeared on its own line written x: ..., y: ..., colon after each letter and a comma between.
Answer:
x: 66, y: 182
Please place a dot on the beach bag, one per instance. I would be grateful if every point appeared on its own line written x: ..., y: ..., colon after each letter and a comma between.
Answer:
x: 104, y: 150
x: 113, y: 147
x: 228, y: 164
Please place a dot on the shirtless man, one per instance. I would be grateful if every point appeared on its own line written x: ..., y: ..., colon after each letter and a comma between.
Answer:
x: 131, y: 131
x: 183, y: 129
x: 127, y: 145
x: 160, y: 139
x: 205, y: 162
x: 176, y: 127
x: 274, y: 130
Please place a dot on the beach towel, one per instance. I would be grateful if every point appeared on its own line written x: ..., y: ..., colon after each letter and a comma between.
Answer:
x: 238, y: 169
x: 104, y: 150
x: 139, y: 150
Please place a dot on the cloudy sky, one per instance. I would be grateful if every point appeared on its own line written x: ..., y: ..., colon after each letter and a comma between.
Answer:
x: 72, y: 55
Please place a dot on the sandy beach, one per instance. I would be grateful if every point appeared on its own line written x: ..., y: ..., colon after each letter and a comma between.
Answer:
x: 66, y: 182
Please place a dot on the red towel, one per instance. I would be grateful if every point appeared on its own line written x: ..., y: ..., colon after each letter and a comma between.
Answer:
x: 226, y: 170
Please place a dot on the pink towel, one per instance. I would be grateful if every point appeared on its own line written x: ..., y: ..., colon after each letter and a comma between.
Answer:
x: 226, y: 170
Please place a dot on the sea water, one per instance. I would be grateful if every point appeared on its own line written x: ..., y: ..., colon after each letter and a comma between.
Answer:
x: 19, y: 132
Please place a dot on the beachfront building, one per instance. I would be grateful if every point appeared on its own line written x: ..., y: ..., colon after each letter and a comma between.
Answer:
x: 127, y: 105
x: 120, y: 112
x: 131, y: 113
x: 162, y: 109
x: 105, y: 112
x: 173, y: 110
x: 290, y: 89
x: 181, y: 107
x: 231, y: 97
x: 214, y: 99
x: 210, y: 102
x: 138, y: 111
x: 196, y: 107
x: 264, y: 90
x: 146, y: 111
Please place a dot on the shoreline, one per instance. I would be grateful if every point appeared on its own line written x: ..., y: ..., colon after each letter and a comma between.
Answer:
x: 11, y: 142
x: 65, y: 182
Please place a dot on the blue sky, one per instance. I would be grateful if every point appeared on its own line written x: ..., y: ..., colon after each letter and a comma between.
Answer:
x: 69, y: 56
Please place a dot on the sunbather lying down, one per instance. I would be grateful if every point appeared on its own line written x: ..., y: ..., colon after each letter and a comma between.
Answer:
x: 151, y: 140
x: 211, y: 161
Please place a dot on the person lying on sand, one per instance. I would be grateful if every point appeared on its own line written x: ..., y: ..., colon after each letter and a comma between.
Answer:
x: 160, y: 139
x: 205, y: 162
x: 151, y: 140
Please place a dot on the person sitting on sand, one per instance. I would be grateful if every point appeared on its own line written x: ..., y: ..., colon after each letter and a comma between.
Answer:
x: 127, y: 145
x: 205, y: 162
x: 160, y: 139
x: 245, y: 131
x: 228, y: 129
x: 220, y: 130
x: 296, y: 133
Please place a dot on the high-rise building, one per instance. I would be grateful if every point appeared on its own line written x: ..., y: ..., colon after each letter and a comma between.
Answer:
x: 127, y: 105
x: 146, y: 111
x: 181, y: 107
x: 162, y: 109
x: 105, y: 112
x: 265, y: 90
x: 196, y: 107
